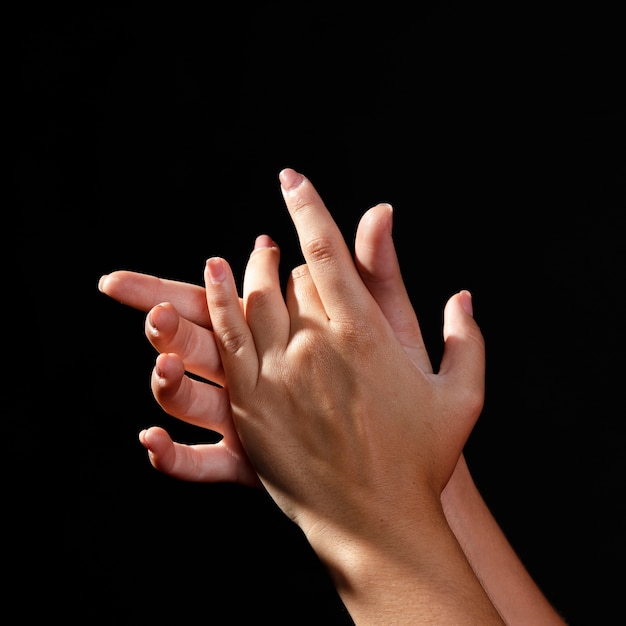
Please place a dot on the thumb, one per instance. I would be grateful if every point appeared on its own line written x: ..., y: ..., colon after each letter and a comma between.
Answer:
x: 463, y: 361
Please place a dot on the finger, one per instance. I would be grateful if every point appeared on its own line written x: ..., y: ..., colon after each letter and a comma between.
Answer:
x: 232, y: 334
x: 463, y: 361
x: 377, y: 263
x: 192, y: 401
x: 323, y: 246
x: 303, y: 301
x: 265, y: 309
x: 143, y: 291
x: 167, y: 331
x: 212, y: 463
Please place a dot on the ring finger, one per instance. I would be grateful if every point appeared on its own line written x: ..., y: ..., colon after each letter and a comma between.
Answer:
x: 167, y: 331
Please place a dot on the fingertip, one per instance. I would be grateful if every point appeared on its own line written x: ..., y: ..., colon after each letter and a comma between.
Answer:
x: 380, y: 215
x: 115, y: 284
x: 149, y: 437
x: 264, y: 241
x: 290, y: 179
x: 215, y: 270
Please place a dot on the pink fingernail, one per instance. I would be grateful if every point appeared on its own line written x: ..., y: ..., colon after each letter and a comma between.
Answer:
x: 215, y: 269
x: 152, y: 324
x: 101, y: 282
x: 154, y: 331
x: 466, y: 302
x: 264, y: 241
x: 290, y: 179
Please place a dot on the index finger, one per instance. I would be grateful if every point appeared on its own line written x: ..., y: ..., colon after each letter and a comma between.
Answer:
x: 144, y: 291
x: 323, y: 246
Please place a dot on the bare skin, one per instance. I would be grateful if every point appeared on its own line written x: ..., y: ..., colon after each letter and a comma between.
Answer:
x: 374, y: 292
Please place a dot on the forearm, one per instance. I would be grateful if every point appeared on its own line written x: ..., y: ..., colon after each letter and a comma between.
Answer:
x: 504, y: 577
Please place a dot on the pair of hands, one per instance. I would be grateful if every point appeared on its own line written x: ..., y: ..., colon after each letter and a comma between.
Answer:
x: 326, y: 395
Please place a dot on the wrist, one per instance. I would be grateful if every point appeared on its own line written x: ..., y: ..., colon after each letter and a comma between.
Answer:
x: 405, y: 571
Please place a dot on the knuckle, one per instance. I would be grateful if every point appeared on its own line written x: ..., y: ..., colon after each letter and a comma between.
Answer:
x: 300, y: 271
x: 320, y: 249
x: 355, y: 333
x: 233, y: 340
x: 300, y: 203
x: 258, y: 299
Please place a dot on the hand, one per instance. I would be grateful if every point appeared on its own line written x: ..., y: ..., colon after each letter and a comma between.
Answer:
x: 353, y: 440
x: 323, y: 375
x: 184, y: 328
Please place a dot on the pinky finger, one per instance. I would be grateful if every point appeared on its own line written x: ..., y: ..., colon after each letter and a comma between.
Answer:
x: 209, y: 463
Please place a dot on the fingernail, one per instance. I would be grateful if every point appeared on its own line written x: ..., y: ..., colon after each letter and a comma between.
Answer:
x: 290, y: 179
x: 144, y: 442
x: 102, y: 281
x: 264, y: 241
x: 466, y: 302
x: 153, y: 327
x: 215, y: 270
x: 389, y: 215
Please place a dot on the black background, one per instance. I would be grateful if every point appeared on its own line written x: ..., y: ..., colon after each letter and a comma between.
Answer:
x: 151, y: 139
